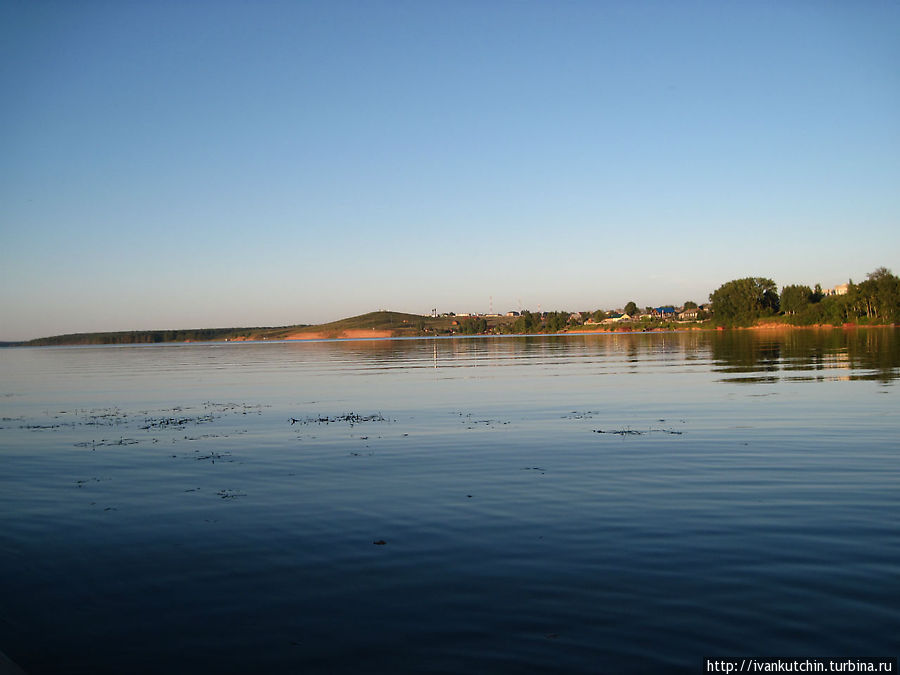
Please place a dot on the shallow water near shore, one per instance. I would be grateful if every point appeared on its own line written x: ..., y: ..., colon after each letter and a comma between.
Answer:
x: 589, y: 503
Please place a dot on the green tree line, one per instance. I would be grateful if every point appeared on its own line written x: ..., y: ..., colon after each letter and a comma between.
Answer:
x: 142, y: 337
x: 742, y: 302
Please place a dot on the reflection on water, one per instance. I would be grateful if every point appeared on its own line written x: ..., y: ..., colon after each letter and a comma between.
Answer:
x: 592, y: 503
x: 758, y: 355
x: 771, y: 354
x: 865, y: 354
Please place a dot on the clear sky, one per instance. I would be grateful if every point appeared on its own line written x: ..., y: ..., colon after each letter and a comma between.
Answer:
x: 170, y: 164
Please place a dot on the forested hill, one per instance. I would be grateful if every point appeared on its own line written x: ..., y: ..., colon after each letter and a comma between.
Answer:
x: 397, y: 323
x: 151, y: 336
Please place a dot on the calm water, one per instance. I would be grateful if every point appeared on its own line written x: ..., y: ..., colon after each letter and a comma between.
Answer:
x: 628, y: 503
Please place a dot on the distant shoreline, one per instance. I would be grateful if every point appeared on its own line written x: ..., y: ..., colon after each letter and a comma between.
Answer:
x: 338, y: 331
x: 350, y: 336
x: 752, y: 303
x: 383, y: 336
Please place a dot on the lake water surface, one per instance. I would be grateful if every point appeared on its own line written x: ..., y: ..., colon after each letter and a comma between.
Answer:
x: 601, y: 503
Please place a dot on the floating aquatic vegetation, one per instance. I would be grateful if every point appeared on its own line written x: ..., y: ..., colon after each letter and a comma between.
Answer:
x: 584, y: 415
x: 235, y: 408
x: 635, y: 432
x: 175, y: 418
x: 467, y: 419
x: 230, y: 494
x: 160, y: 423
x: 176, y: 422
x: 226, y: 457
x: 93, y: 445
x: 121, y: 441
x: 102, y: 417
x: 351, y: 418
x: 203, y: 436
x: 93, y: 479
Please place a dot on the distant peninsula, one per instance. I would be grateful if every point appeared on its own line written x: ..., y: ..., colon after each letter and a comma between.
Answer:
x: 748, y: 302
x: 379, y: 324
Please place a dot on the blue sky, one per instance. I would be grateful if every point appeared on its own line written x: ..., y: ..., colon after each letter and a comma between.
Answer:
x: 177, y: 165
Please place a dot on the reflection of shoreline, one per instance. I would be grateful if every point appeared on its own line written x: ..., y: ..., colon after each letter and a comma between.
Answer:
x: 815, y: 326
x: 624, y: 330
x: 867, y: 352
x: 388, y: 335
x: 361, y: 334
x: 381, y: 335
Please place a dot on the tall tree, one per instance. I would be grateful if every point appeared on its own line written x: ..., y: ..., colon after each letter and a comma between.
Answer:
x: 473, y: 326
x: 528, y: 322
x: 631, y: 309
x: 878, y: 297
x: 742, y: 301
x: 795, y: 299
x: 556, y: 321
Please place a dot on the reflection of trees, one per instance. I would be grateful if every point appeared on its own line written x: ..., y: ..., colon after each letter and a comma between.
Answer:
x: 746, y: 352
x: 866, y: 353
x: 877, y: 351
x: 806, y: 350
x: 744, y: 355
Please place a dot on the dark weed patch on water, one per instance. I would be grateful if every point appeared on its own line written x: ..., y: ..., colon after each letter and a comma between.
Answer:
x: 635, y: 432
x: 213, y: 456
x: 103, y: 417
x: 93, y: 479
x: 532, y: 468
x: 583, y: 415
x: 158, y: 422
x: 93, y: 445
x: 176, y: 422
x: 471, y: 422
x: 350, y: 418
x: 231, y: 494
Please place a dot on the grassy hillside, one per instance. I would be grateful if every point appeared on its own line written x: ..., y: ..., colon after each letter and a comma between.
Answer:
x: 398, y: 324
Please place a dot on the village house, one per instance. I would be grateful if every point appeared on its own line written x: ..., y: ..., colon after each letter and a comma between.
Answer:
x: 840, y: 289
x: 615, y: 317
